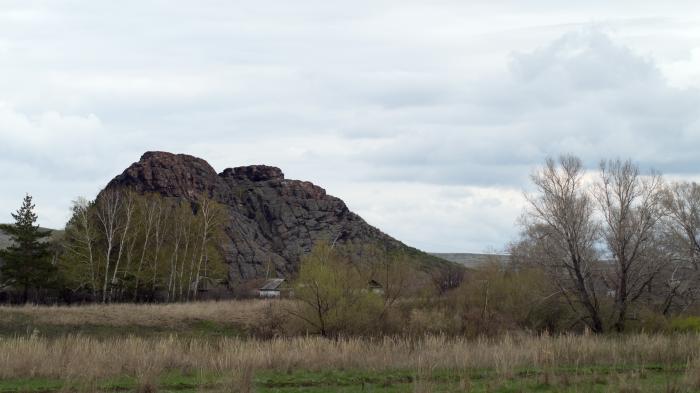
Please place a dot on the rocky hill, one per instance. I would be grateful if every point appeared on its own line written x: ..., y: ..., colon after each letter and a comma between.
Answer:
x: 272, y: 220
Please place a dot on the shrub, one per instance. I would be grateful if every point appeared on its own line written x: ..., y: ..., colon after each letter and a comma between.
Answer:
x: 494, y: 299
x: 685, y: 324
x: 333, y: 298
x: 432, y: 321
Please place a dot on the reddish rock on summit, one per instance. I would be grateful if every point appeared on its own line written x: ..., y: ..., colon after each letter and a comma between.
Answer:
x: 272, y: 219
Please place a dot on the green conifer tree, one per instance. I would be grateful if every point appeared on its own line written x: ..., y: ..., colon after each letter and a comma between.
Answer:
x: 26, y: 264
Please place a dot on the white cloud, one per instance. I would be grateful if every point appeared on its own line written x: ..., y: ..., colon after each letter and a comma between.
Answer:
x: 684, y: 72
x: 444, y: 218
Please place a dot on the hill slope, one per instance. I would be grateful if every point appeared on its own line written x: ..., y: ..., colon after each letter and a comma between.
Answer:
x: 472, y: 260
x: 272, y: 220
x: 5, y: 240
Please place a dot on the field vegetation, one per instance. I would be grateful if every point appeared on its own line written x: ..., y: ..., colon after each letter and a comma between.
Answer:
x: 230, y: 346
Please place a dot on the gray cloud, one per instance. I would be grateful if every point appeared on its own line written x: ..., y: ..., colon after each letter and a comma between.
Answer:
x: 582, y: 94
x: 425, y: 118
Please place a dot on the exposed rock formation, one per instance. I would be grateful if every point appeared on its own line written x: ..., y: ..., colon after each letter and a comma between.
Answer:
x: 273, y: 221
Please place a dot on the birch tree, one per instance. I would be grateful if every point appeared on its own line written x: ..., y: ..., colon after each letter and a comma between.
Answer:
x: 108, y: 207
x: 150, y: 207
x: 210, y: 221
x: 128, y: 206
x: 126, y: 244
x: 80, y: 243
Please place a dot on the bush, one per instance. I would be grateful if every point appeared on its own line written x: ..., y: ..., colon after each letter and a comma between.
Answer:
x: 273, y: 322
x: 494, y: 299
x: 686, y: 324
x: 648, y: 320
x: 333, y: 297
x: 432, y: 321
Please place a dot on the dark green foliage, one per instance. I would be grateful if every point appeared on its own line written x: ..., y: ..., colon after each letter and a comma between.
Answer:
x: 26, y: 263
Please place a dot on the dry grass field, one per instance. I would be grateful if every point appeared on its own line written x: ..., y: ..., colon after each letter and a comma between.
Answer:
x: 74, y: 356
x: 242, y: 312
x: 230, y: 318
x: 43, y: 360
x: 426, y: 364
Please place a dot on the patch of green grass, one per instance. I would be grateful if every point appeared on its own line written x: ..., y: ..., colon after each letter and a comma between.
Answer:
x: 615, y: 379
x: 171, y: 381
x: 332, y: 378
x: 594, y: 379
x: 30, y: 385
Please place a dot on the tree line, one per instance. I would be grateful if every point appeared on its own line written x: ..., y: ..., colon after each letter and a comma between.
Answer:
x: 612, y: 242
x: 122, y: 246
x: 612, y: 249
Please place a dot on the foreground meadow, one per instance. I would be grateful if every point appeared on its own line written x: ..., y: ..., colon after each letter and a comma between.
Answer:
x: 207, y: 347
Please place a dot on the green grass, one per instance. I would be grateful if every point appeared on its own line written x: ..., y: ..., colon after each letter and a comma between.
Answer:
x: 599, y: 379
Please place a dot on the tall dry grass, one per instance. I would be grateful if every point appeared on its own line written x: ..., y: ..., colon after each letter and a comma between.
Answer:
x: 243, y: 312
x: 83, y: 357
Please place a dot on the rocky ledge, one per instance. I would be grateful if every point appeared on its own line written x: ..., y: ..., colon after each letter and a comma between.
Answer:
x: 273, y: 221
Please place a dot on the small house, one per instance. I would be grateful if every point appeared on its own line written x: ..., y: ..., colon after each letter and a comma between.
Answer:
x: 375, y: 287
x: 272, y: 288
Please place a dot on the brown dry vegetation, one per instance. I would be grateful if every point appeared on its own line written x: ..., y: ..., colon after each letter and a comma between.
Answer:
x: 242, y: 312
x: 80, y: 357
x: 215, y: 360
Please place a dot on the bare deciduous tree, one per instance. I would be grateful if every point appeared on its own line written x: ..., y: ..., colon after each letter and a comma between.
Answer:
x: 682, y: 244
x: 447, y: 278
x: 561, y: 220
x: 631, y: 206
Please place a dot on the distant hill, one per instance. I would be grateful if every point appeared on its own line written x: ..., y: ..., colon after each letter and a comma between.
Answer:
x: 472, y: 259
x: 6, y: 242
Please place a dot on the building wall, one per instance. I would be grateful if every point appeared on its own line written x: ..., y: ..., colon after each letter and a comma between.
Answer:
x: 269, y: 293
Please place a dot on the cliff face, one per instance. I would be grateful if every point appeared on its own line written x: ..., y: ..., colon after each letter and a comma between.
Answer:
x: 273, y: 221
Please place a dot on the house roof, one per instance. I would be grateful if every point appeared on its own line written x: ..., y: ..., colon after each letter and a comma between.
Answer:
x: 374, y: 284
x: 272, y: 284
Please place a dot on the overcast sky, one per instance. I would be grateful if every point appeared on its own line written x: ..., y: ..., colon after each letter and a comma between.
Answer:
x: 425, y: 117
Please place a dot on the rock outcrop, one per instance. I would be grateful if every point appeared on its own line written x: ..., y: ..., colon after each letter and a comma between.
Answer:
x: 273, y: 220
